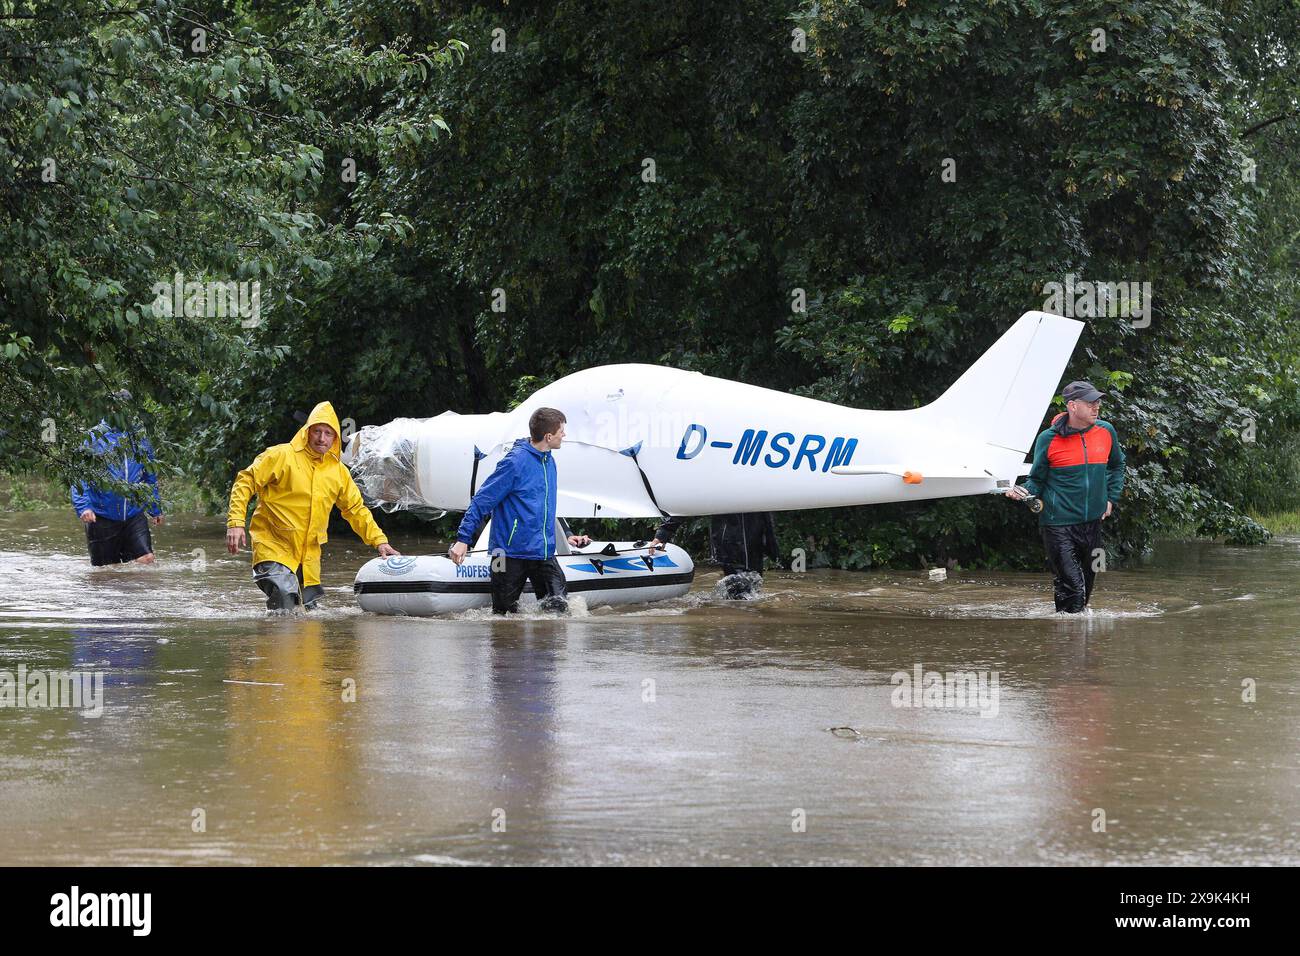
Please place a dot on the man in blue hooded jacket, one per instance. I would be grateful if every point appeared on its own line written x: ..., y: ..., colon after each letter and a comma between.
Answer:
x: 116, y: 529
x: 520, y: 497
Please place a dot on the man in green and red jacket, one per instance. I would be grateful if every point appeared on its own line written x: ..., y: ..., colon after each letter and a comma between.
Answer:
x: 1078, y: 472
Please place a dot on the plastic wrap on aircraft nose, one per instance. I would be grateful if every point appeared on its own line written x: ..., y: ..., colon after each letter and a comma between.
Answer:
x: 382, y: 459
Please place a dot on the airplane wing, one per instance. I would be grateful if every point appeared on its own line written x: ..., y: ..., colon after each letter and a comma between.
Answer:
x: 601, y: 482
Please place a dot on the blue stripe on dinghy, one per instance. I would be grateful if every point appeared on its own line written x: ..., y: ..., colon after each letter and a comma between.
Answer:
x: 624, y: 564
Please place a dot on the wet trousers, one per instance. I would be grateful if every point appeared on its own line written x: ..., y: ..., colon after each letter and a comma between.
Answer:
x: 284, y: 588
x: 1072, y: 552
x: 548, y: 585
x: 116, y: 542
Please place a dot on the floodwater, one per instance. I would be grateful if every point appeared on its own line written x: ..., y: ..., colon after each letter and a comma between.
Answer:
x: 693, y: 732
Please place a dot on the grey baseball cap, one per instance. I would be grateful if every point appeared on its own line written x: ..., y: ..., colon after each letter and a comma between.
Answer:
x: 1081, y: 391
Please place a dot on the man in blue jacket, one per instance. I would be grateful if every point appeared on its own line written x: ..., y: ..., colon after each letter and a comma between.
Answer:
x: 520, y: 497
x: 116, y: 529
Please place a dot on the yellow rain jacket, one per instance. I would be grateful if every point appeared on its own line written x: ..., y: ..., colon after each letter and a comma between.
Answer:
x: 295, y: 489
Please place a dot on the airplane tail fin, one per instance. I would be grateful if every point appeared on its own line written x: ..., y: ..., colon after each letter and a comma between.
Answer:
x: 1011, y: 385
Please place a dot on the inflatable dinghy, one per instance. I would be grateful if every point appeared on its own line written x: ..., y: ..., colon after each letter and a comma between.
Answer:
x: 604, y: 573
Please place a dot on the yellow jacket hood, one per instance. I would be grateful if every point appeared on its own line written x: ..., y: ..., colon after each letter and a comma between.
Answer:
x: 322, y: 414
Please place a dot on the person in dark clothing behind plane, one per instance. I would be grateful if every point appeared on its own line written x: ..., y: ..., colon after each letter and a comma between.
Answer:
x: 739, y: 543
x: 1078, y: 472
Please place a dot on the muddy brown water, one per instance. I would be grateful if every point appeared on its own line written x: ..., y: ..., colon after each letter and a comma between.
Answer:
x: 698, y: 731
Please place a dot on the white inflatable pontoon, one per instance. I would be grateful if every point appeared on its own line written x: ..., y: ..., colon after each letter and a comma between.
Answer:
x: 604, y: 573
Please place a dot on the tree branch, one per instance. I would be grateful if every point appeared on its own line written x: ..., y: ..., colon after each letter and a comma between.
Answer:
x: 1269, y: 122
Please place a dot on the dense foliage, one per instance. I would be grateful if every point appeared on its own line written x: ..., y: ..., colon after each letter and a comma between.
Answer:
x: 139, y: 141
x: 642, y: 181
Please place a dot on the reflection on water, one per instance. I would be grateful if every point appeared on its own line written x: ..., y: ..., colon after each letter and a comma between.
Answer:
x: 695, y: 731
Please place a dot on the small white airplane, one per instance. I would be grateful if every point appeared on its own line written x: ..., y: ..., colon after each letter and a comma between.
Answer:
x: 643, y: 441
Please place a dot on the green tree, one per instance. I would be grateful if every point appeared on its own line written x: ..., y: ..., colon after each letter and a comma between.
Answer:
x: 141, y: 140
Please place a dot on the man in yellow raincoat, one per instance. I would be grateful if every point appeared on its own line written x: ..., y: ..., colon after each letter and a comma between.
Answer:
x: 296, y: 486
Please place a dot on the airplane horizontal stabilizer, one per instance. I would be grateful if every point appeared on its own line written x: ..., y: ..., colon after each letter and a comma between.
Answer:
x: 917, y: 471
